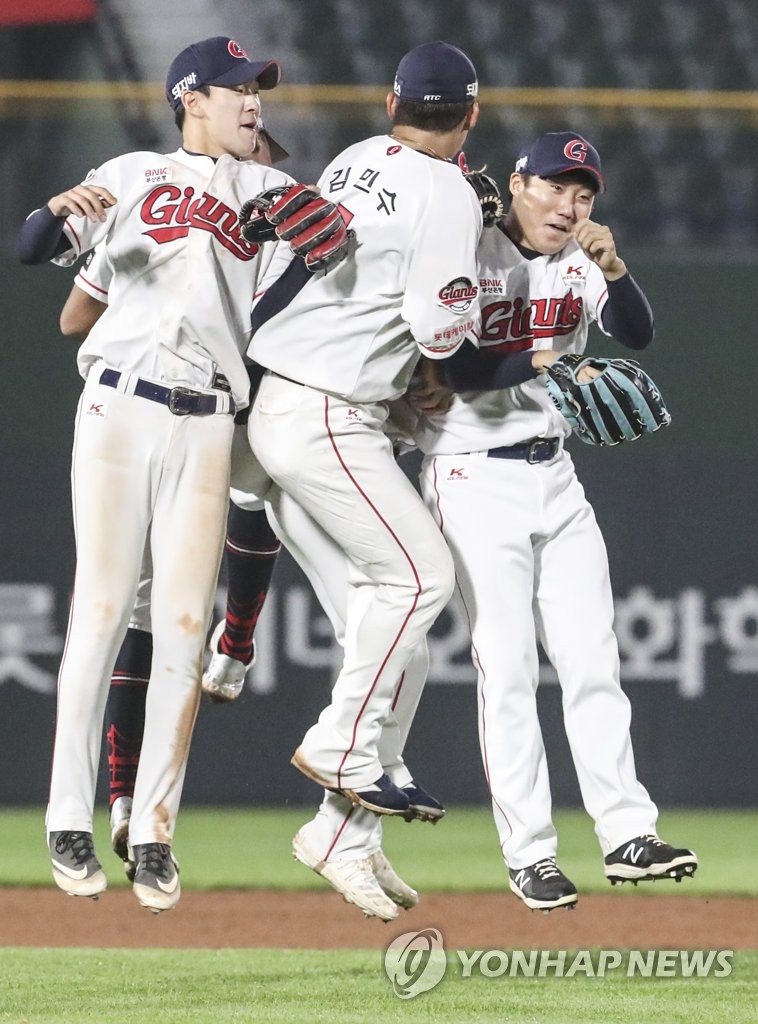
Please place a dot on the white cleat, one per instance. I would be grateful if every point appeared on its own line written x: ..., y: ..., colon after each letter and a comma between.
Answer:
x: 391, y: 883
x: 76, y: 868
x: 156, y: 880
x: 121, y: 812
x: 224, y: 678
x: 353, y: 879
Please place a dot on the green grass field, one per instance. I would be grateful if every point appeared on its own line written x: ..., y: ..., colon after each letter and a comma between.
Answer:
x: 250, y: 848
x: 338, y: 987
x: 233, y: 848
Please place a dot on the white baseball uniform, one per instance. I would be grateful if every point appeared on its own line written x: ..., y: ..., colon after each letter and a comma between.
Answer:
x: 340, y: 347
x: 249, y: 482
x: 341, y: 830
x: 531, y: 563
x: 177, y: 320
x: 94, y: 278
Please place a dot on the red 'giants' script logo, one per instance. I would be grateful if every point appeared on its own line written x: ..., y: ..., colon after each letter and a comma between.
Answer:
x: 171, y: 212
x: 514, y: 326
x: 458, y: 294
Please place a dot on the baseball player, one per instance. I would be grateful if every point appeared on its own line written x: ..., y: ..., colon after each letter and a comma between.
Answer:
x: 337, y: 347
x: 163, y: 374
x: 343, y: 842
x: 530, y: 560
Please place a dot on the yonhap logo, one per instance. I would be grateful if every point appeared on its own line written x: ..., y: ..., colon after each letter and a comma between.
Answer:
x: 415, y: 962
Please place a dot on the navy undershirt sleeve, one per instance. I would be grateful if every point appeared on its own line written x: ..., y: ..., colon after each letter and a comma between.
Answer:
x: 41, y: 237
x: 627, y: 315
x: 473, y: 369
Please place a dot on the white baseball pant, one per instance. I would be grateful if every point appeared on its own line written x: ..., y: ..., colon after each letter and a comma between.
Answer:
x: 138, y: 471
x: 335, y: 461
x: 531, y: 565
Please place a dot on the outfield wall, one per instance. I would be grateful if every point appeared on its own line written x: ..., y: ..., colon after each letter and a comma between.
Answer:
x: 677, y: 510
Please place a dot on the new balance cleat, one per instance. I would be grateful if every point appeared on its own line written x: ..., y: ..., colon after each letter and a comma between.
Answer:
x: 646, y: 858
x: 156, y: 879
x: 121, y: 812
x: 391, y: 883
x: 76, y: 868
x: 381, y: 797
x: 353, y: 879
x: 543, y: 886
x: 423, y: 806
x: 224, y: 678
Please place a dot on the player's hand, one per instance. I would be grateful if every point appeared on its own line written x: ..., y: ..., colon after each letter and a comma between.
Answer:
x: 544, y: 357
x: 90, y: 201
x: 596, y: 241
x: 427, y: 392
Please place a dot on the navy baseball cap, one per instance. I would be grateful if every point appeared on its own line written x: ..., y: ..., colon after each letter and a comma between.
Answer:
x: 217, y: 61
x: 559, y: 152
x: 436, y: 73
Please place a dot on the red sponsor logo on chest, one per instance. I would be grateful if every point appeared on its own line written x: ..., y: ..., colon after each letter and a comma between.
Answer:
x: 170, y: 211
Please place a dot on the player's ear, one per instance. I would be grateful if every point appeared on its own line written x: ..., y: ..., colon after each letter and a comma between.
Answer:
x: 515, y: 183
x: 391, y: 105
x: 190, y: 102
x: 471, y: 117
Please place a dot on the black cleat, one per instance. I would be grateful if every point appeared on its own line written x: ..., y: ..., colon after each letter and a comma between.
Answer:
x: 543, y: 886
x: 647, y: 858
x: 423, y: 806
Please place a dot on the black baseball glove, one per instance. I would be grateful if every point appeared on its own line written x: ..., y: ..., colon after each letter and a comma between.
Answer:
x: 622, y: 404
x: 488, y: 193
x: 314, y: 227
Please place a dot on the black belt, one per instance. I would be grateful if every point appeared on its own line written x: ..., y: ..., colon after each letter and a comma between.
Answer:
x: 288, y: 379
x: 540, y: 449
x: 180, y: 401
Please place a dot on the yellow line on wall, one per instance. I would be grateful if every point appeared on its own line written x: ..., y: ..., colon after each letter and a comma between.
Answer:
x: 663, y: 99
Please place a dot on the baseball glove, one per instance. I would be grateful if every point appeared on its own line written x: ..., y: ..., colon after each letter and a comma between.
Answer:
x: 621, y: 404
x: 488, y: 193
x: 314, y: 227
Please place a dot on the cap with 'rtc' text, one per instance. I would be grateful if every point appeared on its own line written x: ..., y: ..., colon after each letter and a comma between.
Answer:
x: 436, y: 73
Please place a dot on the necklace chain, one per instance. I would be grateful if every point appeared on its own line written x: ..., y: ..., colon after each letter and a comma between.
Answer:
x: 419, y: 145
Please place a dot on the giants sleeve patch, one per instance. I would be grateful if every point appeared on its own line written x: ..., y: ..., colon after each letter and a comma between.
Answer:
x: 458, y: 295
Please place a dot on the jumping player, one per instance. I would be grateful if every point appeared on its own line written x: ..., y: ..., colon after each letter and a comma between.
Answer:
x: 251, y: 549
x: 163, y: 372
x: 535, y: 566
x: 337, y: 348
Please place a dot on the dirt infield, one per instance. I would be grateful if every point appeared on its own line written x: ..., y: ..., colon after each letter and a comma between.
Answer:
x: 321, y: 920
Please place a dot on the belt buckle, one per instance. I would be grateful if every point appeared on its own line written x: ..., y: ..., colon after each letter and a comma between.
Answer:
x: 536, y: 447
x: 175, y: 395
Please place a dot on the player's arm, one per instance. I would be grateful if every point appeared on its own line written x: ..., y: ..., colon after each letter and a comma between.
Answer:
x: 88, y: 299
x: 80, y: 313
x: 440, y: 303
x: 72, y: 221
x: 625, y: 313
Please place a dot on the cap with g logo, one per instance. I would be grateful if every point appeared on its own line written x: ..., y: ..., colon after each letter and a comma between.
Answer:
x: 559, y: 152
x: 436, y: 73
x: 217, y: 61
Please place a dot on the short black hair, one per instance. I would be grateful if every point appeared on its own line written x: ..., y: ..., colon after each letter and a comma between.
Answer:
x: 431, y: 117
x: 180, y: 112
